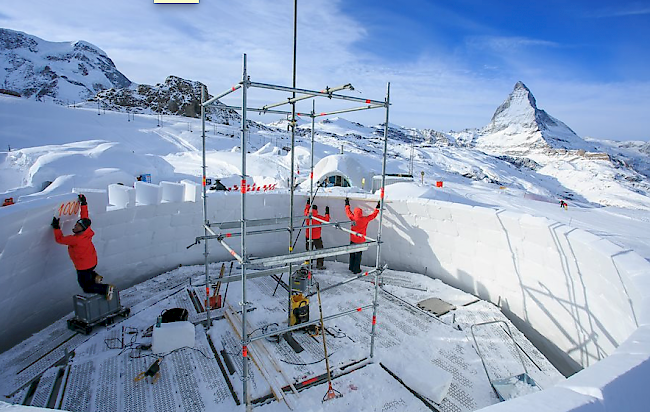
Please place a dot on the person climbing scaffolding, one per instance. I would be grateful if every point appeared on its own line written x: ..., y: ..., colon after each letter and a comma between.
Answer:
x: 359, y: 226
x: 83, y: 253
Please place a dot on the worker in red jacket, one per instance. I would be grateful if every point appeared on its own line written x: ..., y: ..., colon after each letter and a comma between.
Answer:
x: 82, y: 252
x: 359, y: 226
x: 314, y: 233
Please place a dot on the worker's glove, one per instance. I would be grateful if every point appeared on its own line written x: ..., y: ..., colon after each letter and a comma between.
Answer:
x: 55, y: 223
x: 347, y: 201
x: 378, y: 205
x: 327, y: 210
x: 82, y: 200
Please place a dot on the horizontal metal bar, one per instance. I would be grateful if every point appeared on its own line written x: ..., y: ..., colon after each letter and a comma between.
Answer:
x: 315, y: 93
x: 355, y: 109
x: 312, y: 254
x: 297, y: 99
x: 371, y: 273
x: 253, y: 222
x: 309, y: 323
x: 219, y: 96
x: 254, y: 275
x: 253, y: 109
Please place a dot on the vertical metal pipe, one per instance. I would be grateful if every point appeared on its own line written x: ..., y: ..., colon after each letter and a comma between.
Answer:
x: 311, y: 183
x: 381, y: 218
x: 205, y: 214
x: 293, y: 153
x: 244, y: 303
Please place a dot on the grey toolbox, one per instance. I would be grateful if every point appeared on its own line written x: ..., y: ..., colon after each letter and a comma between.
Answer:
x: 92, y: 309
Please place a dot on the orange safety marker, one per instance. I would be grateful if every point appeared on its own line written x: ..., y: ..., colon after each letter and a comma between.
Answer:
x: 243, y: 185
x: 358, y: 309
x: 228, y: 234
x: 245, y: 351
x: 374, y: 320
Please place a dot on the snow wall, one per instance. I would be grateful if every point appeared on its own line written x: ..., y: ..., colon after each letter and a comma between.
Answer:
x: 585, y: 296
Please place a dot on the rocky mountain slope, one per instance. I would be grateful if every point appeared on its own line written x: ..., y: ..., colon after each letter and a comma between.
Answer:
x: 175, y: 96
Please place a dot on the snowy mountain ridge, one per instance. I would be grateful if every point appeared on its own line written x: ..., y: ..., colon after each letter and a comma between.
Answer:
x: 63, y: 71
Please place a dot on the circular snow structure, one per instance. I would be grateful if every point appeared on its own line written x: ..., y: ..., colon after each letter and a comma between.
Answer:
x: 584, y: 298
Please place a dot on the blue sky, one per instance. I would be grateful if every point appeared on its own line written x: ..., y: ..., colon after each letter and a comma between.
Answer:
x: 450, y: 63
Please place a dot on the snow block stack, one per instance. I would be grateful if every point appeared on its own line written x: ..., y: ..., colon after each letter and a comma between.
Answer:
x: 172, y: 192
x: 147, y: 193
x: 192, y: 191
x: 120, y: 196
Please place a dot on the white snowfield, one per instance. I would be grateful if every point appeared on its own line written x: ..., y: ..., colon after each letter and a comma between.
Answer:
x: 585, y: 295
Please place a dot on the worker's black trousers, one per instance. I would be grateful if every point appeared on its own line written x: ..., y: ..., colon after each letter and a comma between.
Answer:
x: 86, y: 279
x: 316, y: 244
x: 355, y: 261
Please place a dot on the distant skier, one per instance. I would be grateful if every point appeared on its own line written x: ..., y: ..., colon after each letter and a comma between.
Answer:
x: 563, y: 204
x: 314, y: 233
x: 82, y: 252
x: 359, y: 225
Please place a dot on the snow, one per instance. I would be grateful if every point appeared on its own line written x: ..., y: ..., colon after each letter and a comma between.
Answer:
x: 576, y: 276
x: 171, y: 336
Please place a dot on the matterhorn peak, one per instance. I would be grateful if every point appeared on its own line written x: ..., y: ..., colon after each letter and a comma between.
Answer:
x: 518, y: 125
x: 520, y: 106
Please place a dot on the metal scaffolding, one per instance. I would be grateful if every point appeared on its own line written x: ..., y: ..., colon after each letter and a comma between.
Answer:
x: 284, y: 263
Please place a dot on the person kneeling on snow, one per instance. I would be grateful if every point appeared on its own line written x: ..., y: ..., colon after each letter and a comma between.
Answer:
x: 82, y: 252
x: 359, y: 226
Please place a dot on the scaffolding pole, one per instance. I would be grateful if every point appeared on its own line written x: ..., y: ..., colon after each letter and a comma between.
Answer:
x: 244, y: 303
x: 311, y: 189
x: 381, y: 218
x: 205, y: 213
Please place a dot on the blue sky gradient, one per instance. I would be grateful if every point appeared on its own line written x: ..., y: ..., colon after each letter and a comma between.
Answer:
x: 450, y: 63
